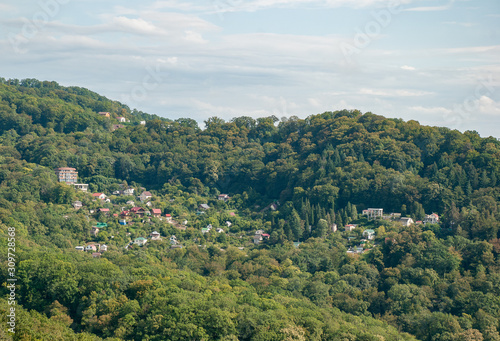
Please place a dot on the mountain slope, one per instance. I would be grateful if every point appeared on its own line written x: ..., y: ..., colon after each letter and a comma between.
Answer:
x: 291, y: 178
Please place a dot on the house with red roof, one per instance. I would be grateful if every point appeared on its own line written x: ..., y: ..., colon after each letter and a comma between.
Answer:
x: 431, y: 218
x: 91, y: 247
x: 101, y: 196
x: 350, y: 227
x: 138, y: 211
x: 223, y: 197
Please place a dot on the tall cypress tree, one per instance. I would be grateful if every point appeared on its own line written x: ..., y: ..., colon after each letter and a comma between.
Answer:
x: 311, y: 221
x: 321, y: 228
x: 493, y: 179
x: 295, y: 225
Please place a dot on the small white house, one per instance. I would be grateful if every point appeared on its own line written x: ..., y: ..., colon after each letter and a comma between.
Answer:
x: 350, y: 227
x: 128, y: 191
x: 431, y: 218
x: 140, y: 241
x: 223, y: 197
x: 406, y: 221
x: 369, y: 234
x: 145, y: 196
x: 155, y: 235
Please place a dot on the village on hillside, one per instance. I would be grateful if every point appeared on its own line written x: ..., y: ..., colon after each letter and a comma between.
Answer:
x: 129, y: 211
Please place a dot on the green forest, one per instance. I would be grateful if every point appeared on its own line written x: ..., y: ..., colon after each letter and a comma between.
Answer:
x: 264, y: 225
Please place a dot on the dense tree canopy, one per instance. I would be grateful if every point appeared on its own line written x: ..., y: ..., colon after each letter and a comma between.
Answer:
x: 294, y: 179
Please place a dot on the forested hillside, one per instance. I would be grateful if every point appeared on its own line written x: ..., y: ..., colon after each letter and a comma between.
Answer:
x: 289, y: 254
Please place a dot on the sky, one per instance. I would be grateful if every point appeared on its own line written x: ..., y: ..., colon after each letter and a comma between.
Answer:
x: 437, y: 62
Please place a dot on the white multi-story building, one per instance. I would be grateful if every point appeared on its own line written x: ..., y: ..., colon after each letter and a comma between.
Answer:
x: 67, y: 174
x: 373, y: 213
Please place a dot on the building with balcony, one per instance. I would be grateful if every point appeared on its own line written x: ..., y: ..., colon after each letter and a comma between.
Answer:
x: 374, y: 213
x: 82, y: 187
x: 67, y: 175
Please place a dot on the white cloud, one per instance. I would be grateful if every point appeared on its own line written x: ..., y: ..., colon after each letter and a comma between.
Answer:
x: 80, y: 42
x: 464, y: 24
x: 255, y: 5
x: 436, y: 116
x: 427, y: 9
x: 431, y: 8
x: 169, y: 60
x: 194, y: 37
x: 314, y: 102
x: 178, y: 21
x: 409, y: 68
x: 177, y: 5
x: 393, y: 92
x: 431, y: 110
x: 488, y: 106
x: 134, y: 25
x: 6, y: 7
x: 471, y: 49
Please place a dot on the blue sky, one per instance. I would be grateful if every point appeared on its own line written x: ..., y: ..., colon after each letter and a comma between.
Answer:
x: 437, y: 62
